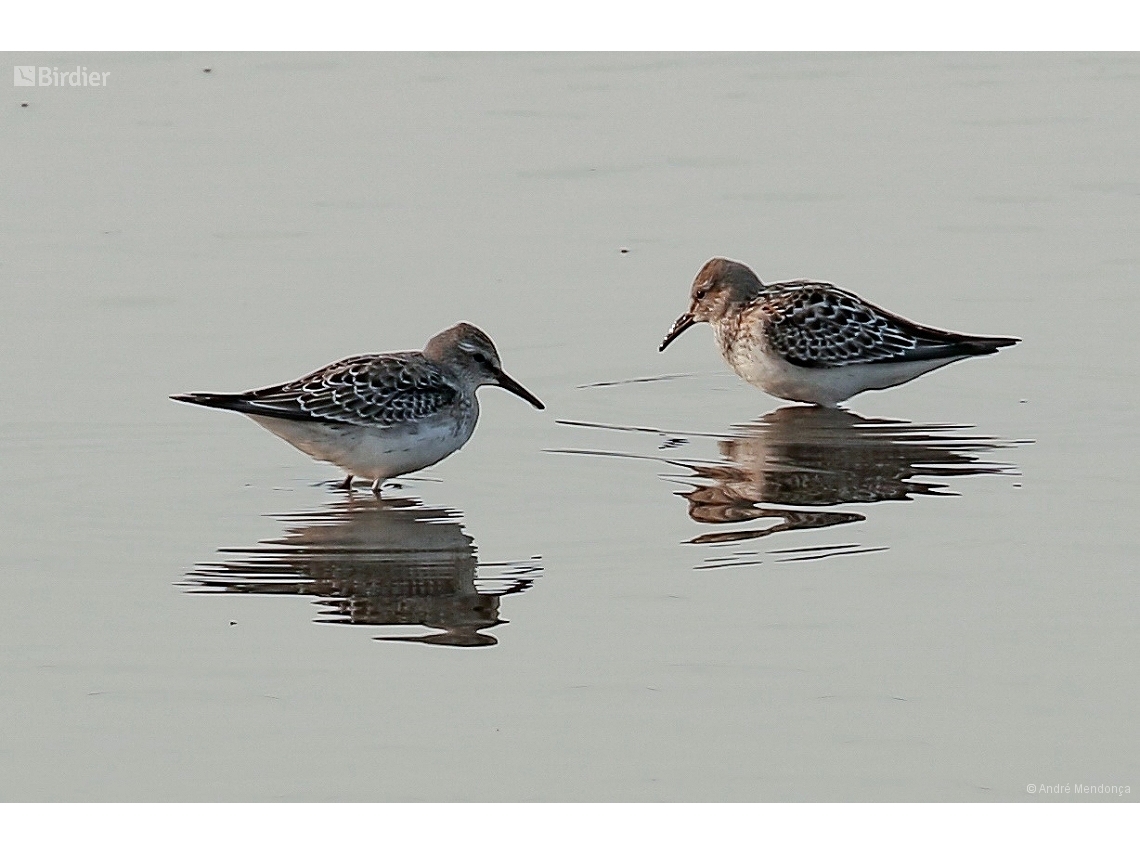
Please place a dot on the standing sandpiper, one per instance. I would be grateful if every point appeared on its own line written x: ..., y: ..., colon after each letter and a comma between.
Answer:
x: 812, y: 342
x: 381, y: 415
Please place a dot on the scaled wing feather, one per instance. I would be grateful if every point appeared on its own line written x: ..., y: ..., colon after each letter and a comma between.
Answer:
x: 363, y: 390
x: 816, y: 325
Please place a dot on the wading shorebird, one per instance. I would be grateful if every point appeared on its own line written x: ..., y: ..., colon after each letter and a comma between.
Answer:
x: 381, y: 415
x: 812, y: 342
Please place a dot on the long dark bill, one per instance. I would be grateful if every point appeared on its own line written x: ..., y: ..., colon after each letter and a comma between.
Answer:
x: 512, y: 385
x: 679, y: 326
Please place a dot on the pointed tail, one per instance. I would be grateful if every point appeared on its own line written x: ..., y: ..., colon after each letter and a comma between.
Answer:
x: 979, y: 346
x: 216, y: 400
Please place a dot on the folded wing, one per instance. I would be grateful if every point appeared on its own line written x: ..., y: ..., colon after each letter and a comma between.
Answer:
x: 372, y: 390
x: 816, y: 325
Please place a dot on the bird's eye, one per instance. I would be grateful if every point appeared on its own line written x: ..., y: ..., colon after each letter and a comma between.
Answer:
x: 480, y: 358
x: 701, y: 293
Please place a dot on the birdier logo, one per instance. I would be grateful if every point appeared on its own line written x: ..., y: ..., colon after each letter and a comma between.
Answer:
x: 50, y: 75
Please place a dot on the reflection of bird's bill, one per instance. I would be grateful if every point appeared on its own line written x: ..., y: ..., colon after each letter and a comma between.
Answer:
x: 512, y: 385
x: 679, y: 326
x: 792, y: 521
x: 464, y: 637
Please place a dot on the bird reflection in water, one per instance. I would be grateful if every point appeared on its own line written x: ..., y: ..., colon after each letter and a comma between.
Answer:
x: 386, y: 562
x: 807, y: 458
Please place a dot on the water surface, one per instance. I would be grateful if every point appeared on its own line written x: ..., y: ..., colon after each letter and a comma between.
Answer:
x: 712, y: 596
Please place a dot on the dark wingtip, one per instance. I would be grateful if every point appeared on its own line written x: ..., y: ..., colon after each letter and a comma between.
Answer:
x: 208, y: 399
x: 981, y: 346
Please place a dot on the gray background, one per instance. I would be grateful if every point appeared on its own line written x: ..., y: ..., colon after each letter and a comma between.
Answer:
x: 183, y: 230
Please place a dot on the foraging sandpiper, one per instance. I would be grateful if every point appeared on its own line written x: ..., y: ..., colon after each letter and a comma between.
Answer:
x: 377, y: 416
x: 812, y: 342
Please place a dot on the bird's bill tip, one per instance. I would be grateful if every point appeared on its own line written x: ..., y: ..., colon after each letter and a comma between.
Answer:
x: 679, y: 326
x: 512, y: 385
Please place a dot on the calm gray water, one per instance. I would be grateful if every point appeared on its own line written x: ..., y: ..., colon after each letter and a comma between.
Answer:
x: 676, y: 589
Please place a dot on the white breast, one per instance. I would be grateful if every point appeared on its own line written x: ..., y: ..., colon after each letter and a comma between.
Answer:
x: 377, y: 452
x: 752, y: 361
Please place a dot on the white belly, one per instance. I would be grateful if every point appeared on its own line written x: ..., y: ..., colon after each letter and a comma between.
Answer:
x: 826, y: 386
x: 375, y: 453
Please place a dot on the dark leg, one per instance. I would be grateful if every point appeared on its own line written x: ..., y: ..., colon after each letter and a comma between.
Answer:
x: 347, y: 483
x: 376, y: 486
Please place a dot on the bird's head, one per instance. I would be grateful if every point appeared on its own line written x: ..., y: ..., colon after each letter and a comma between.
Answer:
x: 720, y: 286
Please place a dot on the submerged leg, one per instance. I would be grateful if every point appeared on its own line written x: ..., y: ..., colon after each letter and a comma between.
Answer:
x: 346, y: 484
